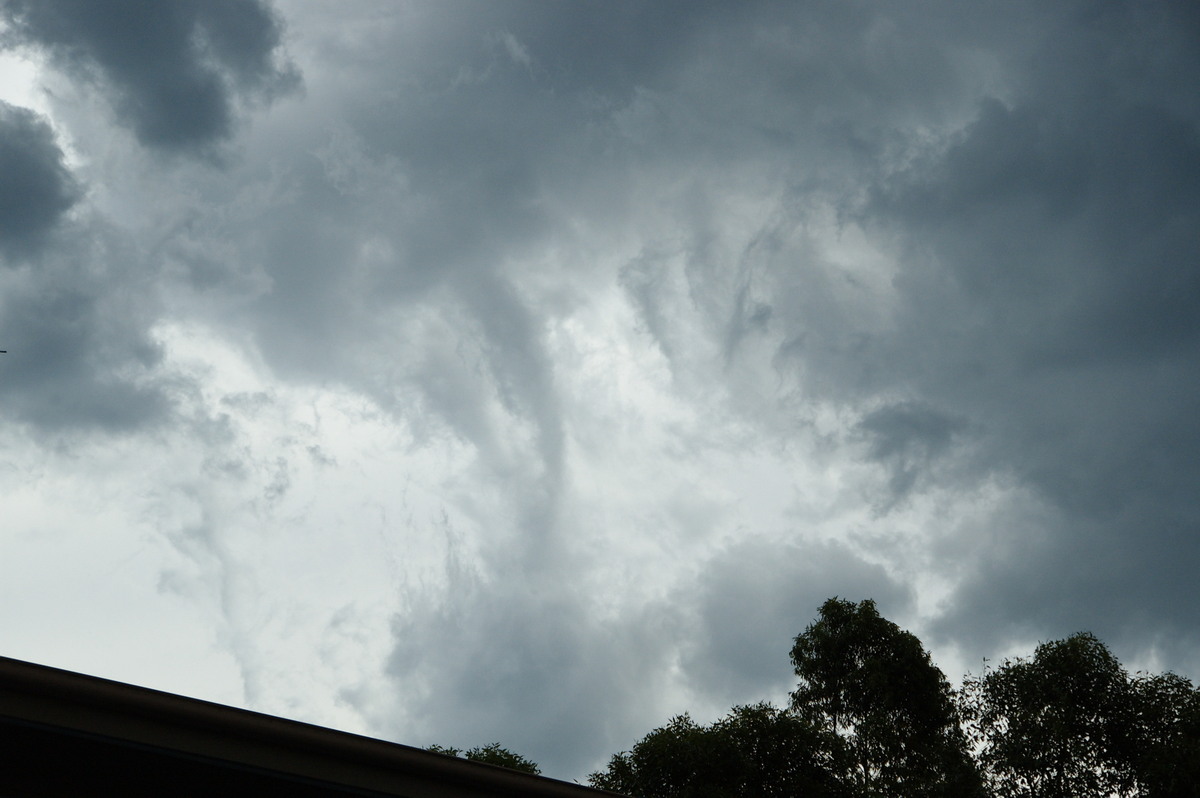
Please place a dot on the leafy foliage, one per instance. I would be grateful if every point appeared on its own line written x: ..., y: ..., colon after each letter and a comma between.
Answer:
x: 491, y: 754
x: 756, y: 750
x: 890, y: 710
x: 1071, y: 722
x: 1058, y: 724
x: 1167, y: 756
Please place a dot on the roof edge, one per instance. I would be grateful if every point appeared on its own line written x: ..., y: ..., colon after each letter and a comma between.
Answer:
x: 94, y: 705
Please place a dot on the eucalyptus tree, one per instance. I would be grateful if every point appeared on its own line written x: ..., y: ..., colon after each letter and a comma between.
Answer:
x: 888, y: 709
x: 1166, y: 752
x: 1070, y: 722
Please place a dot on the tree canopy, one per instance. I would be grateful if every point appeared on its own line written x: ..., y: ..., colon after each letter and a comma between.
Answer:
x: 1070, y: 722
x: 890, y: 710
x: 1167, y: 735
x: 491, y: 754
x: 873, y: 717
x: 756, y: 750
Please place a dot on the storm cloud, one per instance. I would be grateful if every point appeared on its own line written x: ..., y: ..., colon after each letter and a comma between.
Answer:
x: 1050, y: 286
x: 174, y: 71
x: 76, y: 334
x: 536, y: 372
x: 36, y: 188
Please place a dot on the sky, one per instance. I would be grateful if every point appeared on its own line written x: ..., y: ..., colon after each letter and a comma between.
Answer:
x: 456, y: 372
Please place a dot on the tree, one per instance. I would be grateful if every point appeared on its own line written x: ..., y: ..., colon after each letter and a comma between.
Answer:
x: 889, y: 709
x: 785, y: 754
x: 754, y: 751
x: 1060, y: 725
x: 1071, y: 722
x: 679, y: 760
x: 491, y: 754
x: 1166, y: 756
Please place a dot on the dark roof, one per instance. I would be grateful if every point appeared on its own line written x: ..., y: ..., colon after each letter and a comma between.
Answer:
x: 65, y: 733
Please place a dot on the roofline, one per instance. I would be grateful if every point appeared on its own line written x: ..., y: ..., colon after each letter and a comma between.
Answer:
x: 91, y: 705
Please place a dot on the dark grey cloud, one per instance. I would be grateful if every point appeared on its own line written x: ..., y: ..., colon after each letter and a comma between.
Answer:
x: 80, y: 358
x: 176, y: 71
x: 36, y: 188
x: 497, y: 648
x: 492, y: 148
x: 755, y: 596
x: 73, y: 314
x: 1051, y: 298
x: 503, y: 643
x: 908, y: 438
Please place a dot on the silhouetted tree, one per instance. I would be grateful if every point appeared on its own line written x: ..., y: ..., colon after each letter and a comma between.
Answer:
x: 1071, y: 723
x: 875, y: 690
x: 753, y: 751
x: 1059, y: 724
x: 873, y: 717
x: 491, y: 754
x: 787, y: 755
x: 1167, y: 736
